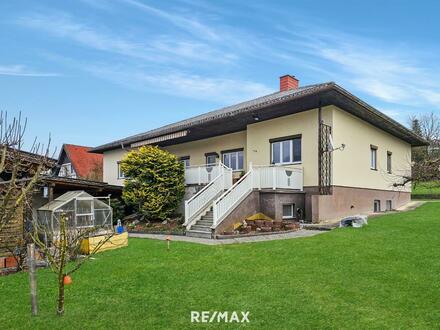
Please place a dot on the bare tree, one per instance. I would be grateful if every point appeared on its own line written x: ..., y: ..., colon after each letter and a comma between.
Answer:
x: 429, y: 126
x: 62, y: 247
x: 20, y: 172
x: 425, y: 164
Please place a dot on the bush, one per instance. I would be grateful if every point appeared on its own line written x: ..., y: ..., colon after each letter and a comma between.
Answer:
x: 155, y: 184
x: 119, y: 211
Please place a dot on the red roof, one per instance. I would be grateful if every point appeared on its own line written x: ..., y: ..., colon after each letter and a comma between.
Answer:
x: 87, y: 165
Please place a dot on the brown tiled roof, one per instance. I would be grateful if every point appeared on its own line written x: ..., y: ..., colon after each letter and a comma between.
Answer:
x: 266, y: 102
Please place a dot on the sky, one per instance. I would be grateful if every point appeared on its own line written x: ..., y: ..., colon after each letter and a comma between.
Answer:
x: 92, y: 71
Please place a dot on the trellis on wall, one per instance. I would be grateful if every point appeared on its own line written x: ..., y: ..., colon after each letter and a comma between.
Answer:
x: 325, y: 159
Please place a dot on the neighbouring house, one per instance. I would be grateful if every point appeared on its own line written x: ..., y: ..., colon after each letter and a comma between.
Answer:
x: 76, y: 169
x: 315, y: 153
x: 51, y: 186
x: 77, y: 162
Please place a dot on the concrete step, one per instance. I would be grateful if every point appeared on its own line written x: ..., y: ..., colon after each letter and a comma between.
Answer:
x: 199, y: 234
x: 201, y: 228
x: 207, y: 218
x: 204, y: 223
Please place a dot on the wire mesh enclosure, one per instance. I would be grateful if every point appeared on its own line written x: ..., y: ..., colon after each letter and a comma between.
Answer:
x: 80, y: 209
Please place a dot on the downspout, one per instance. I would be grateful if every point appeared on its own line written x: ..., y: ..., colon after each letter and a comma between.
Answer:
x: 320, y: 148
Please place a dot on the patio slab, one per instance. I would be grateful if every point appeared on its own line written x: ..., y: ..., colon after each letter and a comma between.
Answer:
x: 236, y: 240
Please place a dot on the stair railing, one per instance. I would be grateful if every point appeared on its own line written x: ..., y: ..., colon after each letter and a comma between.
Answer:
x: 200, y: 201
x: 233, y: 196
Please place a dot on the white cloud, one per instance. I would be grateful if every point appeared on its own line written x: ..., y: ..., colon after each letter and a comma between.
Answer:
x: 388, y: 72
x: 185, y: 85
x: 22, y: 71
x: 190, y: 25
x: 150, y: 48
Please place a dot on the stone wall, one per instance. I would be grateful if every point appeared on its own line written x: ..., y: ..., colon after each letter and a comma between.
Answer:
x: 269, y: 202
x: 345, y: 201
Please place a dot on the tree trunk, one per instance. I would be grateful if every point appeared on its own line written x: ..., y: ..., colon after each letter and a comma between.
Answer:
x: 62, y: 265
x: 60, y: 310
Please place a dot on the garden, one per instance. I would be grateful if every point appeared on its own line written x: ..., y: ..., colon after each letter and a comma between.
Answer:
x: 384, y: 275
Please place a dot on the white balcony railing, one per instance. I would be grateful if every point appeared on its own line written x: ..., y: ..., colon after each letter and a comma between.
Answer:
x: 201, y: 174
x: 278, y: 177
x: 258, y: 177
x: 204, y: 197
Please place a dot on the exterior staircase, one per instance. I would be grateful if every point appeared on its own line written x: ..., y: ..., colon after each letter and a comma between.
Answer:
x: 202, y: 227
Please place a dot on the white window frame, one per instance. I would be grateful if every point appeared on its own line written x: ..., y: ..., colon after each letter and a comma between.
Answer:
x: 186, y: 161
x: 373, y: 158
x: 377, y: 201
x: 121, y: 174
x: 67, y: 171
x: 290, y: 161
x: 210, y: 163
x: 389, y: 162
x: 389, y: 205
x: 292, y: 209
x: 230, y: 153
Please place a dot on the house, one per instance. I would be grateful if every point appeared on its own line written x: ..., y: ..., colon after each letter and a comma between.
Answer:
x: 315, y: 153
x: 76, y: 169
x: 77, y: 162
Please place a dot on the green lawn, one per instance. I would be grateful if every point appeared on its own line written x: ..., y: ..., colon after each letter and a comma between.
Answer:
x: 385, y: 275
x: 426, y: 189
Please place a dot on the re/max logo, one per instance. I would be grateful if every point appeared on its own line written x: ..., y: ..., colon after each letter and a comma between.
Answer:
x: 219, y: 317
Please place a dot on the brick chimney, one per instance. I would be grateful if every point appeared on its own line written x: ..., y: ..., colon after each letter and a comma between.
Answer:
x: 288, y: 82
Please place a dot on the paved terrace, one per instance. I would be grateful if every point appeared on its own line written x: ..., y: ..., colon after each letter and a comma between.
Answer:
x: 249, y: 239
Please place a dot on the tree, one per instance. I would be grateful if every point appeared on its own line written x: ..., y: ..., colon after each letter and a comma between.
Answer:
x: 155, y: 184
x: 62, y: 248
x: 425, y: 164
x: 20, y: 172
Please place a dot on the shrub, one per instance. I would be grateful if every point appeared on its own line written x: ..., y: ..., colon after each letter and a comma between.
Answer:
x: 155, y: 184
x: 119, y: 211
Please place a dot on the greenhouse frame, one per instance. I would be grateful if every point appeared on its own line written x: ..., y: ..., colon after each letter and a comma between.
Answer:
x: 82, y: 211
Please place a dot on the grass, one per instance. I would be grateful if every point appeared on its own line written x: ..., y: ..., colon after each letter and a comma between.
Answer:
x: 385, y: 275
x: 426, y: 189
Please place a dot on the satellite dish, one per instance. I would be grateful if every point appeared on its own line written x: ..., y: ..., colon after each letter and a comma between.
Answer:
x: 331, y: 146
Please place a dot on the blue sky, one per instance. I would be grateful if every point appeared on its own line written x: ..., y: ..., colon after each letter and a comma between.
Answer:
x: 92, y: 71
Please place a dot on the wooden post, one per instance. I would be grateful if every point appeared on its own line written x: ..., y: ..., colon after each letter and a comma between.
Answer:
x: 32, y: 277
x: 50, y: 188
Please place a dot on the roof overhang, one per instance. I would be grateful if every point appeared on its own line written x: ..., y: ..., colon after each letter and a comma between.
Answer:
x: 80, y: 184
x: 225, y: 122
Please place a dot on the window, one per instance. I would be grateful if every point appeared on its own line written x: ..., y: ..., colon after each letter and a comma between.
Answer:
x: 389, y: 163
x: 185, y: 161
x: 233, y: 159
x: 45, y: 192
x: 376, y: 206
x: 121, y: 174
x: 288, y: 211
x: 286, y: 151
x: 66, y: 170
x: 389, y: 205
x: 373, y: 153
x: 211, y: 158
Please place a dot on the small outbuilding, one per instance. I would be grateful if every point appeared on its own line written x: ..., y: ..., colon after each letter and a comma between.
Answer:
x: 81, y: 210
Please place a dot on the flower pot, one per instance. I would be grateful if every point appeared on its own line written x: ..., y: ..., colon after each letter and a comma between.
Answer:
x: 291, y: 226
x: 259, y: 223
x: 246, y: 230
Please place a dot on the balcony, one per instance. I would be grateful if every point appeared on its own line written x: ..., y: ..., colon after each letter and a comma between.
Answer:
x: 202, y: 174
